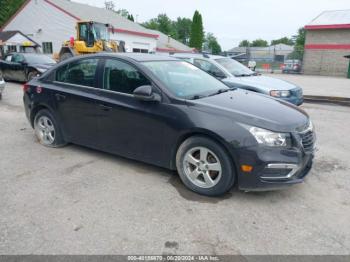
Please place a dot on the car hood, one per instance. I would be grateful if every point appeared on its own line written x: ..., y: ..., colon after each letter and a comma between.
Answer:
x: 254, y: 109
x: 262, y: 82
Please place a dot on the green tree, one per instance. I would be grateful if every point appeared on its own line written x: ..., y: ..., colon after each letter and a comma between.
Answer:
x: 123, y: 12
x: 260, y: 43
x: 299, y: 40
x: 8, y: 8
x: 183, y: 29
x: 163, y: 24
x: 212, y: 44
x: 131, y: 18
x: 197, y: 32
x: 283, y: 40
x: 244, y: 43
x: 151, y: 24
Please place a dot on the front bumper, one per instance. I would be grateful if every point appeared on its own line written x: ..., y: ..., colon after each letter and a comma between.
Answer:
x: 294, y: 100
x: 273, y: 168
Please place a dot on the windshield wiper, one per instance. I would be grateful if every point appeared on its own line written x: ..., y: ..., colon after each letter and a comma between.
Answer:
x: 220, y: 91
x: 194, y: 97
x: 242, y: 75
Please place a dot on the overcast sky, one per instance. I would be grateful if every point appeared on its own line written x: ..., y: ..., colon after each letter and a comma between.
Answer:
x: 233, y: 20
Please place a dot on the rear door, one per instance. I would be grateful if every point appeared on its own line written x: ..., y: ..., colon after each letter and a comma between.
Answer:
x: 75, y: 94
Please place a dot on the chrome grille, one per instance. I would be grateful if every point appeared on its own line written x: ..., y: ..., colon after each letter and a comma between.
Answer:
x: 308, y: 140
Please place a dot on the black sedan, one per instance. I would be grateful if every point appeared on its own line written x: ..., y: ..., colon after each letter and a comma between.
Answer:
x: 169, y: 113
x: 23, y: 67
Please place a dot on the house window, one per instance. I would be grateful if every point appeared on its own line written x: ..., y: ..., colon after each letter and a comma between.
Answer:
x: 11, y: 48
x: 138, y: 50
x: 47, y: 47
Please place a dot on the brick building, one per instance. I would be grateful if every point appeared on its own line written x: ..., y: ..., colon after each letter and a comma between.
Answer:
x: 327, y: 42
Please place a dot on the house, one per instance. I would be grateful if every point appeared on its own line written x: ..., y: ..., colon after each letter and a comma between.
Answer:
x: 51, y: 22
x: 327, y: 43
x: 16, y: 41
x: 166, y: 44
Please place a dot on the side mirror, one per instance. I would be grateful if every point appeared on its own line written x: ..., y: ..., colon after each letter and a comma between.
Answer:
x: 24, y: 63
x: 145, y: 93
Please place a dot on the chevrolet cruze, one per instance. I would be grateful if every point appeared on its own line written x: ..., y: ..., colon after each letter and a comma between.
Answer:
x: 169, y: 113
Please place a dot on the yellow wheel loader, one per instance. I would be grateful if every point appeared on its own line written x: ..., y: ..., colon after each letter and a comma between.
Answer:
x: 92, y: 37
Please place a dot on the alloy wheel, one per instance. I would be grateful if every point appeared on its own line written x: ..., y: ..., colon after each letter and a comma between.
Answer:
x: 202, y: 167
x: 45, y: 130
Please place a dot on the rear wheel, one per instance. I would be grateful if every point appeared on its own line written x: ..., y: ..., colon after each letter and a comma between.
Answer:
x: 47, y: 129
x: 204, y: 166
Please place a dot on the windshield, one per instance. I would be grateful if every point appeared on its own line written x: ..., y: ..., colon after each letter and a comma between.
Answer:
x: 234, y: 67
x: 100, y: 32
x: 38, y: 59
x: 184, y: 79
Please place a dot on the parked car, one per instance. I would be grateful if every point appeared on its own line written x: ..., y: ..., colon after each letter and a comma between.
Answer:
x: 291, y: 66
x: 169, y: 113
x: 234, y: 74
x: 23, y: 67
x: 2, y: 85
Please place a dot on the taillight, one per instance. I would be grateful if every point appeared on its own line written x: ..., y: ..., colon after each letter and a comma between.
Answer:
x: 26, y: 87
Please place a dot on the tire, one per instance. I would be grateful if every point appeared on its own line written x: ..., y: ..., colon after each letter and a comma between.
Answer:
x: 31, y: 75
x: 47, y: 130
x: 65, y: 56
x: 205, y: 167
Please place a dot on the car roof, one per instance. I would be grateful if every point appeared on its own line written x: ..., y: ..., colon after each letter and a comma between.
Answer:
x: 139, y: 57
x: 197, y: 55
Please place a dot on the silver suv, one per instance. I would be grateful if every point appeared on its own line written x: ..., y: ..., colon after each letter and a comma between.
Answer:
x: 234, y: 74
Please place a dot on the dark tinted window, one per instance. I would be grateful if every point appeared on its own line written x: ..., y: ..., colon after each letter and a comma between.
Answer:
x: 80, y: 72
x: 17, y: 58
x: 122, y: 77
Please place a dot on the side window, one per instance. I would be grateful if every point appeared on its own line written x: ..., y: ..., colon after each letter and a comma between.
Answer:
x: 208, y: 67
x: 8, y: 58
x: 122, y: 77
x: 81, y: 72
x: 17, y: 58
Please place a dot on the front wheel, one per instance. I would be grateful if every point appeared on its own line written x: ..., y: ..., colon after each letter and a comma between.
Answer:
x: 204, y: 166
x: 31, y: 75
x: 47, y: 129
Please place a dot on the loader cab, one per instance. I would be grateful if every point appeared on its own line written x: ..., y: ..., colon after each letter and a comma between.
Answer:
x: 90, y: 32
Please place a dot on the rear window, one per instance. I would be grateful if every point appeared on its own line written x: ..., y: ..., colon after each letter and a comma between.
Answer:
x: 80, y: 72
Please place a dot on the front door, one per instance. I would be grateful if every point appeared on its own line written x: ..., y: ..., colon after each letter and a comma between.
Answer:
x: 17, y: 68
x: 128, y: 126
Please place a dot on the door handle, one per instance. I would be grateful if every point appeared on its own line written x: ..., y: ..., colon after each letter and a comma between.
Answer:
x: 60, y: 97
x: 105, y: 108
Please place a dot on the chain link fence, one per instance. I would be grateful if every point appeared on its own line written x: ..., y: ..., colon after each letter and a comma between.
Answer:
x: 279, y: 59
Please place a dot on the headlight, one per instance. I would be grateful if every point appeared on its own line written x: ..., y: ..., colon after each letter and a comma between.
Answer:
x: 270, y: 138
x: 280, y: 93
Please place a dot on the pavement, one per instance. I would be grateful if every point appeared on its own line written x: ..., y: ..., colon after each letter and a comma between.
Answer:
x: 75, y: 200
x: 320, y: 88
